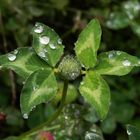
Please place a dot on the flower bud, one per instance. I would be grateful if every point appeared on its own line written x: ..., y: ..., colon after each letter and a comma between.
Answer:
x: 69, y: 68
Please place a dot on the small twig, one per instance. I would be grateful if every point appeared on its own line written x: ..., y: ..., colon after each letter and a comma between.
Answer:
x: 11, y: 74
x: 13, y: 87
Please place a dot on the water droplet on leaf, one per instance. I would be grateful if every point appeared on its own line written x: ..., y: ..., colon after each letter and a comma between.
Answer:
x: 118, y: 52
x: 32, y: 108
x: 15, y: 51
x: 44, y: 40
x: 25, y: 116
x: 82, y: 83
x: 92, y: 136
x: 128, y: 132
x: 45, y: 50
x: 38, y: 29
x: 11, y: 57
x: 109, y: 23
x: 59, y: 41
x: 42, y: 54
x: 110, y: 55
x: 52, y: 46
x: 126, y: 63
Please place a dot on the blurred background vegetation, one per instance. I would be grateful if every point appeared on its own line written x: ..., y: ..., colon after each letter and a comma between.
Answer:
x: 120, y: 21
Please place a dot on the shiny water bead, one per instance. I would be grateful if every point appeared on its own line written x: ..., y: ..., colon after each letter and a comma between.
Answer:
x: 126, y: 63
x: 92, y: 136
x: 32, y: 108
x: 118, y: 52
x: 45, y: 50
x: 110, y: 55
x: 59, y: 41
x: 42, y: 54
x: 129, y: 132
x: 11, y: 57
x: 44, y: 40
x: 52, y: 46
x: 15, y: 51
x: 25, y: 116
x: 38, y: 29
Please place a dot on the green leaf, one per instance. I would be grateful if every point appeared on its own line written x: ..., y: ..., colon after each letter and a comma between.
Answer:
x: 131, y: 8
x: 135, y: 28
x: 11, y: 138
x: 96, y: 92
x: 133, y: 132
x: 108, y: 126
x: 116, y: 63
x: 123, y: 112
x: 40, y: 87
x: 23, y: 61
x: 88, y: 43
x: 117, y: 20
x: 60, y: 4
x: 47, y: 44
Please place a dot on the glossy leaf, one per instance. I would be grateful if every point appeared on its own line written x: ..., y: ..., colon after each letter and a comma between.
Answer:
x: 131, y: 8
x: 23, y: 61
x: 40, y: 87
x: 11, y: 138
x: 135, y: 28
x: 47, y: 44
x: 123, y: 112
x: 117, y: 20
x: 116, y: 63
x: 133, y: 132
x: 88, y: 43
x: 108, y: 126
x: 96, y: 92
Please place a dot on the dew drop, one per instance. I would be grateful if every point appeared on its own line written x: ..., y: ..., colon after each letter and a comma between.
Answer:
x: 118, y: 52
x: 82, y: 83
x: 42, y: 54
x: 109, y: 23
x: 137, y: 7
x: 59, y: 41
x: 88, y: 136
x: 44, y: 40
x: 126, y: 63
x: 128, y: 132
x: 45, y: 50
x: 92, y: 136
x: 66, y: 117
x: 38, y: 29
x: 32, y: 108
x: 52, y: 46
x: 34, y: 88
x: 25, y: 116
x: 15, y: 51
x: 11, y: 57
x: 83, y: 65
x: 110, y: 55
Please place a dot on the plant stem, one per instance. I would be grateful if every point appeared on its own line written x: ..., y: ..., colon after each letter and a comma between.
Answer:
x: 11, y: 74
x: 51, y: 118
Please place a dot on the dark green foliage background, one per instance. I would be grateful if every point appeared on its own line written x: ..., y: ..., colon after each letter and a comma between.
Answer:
x: 68, y: 18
